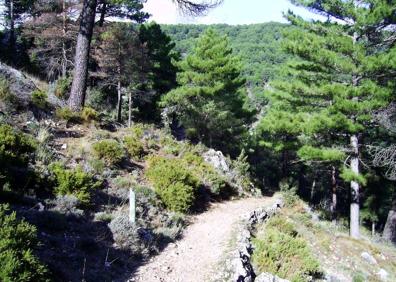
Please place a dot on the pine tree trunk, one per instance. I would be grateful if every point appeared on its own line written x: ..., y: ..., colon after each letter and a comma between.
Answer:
x: 313, y: 188
x: 11, y: 15
x: 102, y: 13
x: 130, y: 109
x: 333, y: 207
x: 64, y: 54
x: 119, y: 101
x: 354, y: 209
x: 79, y: 85
x: 389, y: 233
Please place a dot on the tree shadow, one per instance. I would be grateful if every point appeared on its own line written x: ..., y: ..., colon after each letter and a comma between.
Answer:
x: 76, y: 248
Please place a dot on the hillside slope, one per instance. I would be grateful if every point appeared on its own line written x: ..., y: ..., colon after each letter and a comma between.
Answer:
x: 259, y: 46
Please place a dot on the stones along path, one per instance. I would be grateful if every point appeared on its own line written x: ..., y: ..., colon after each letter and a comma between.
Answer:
x: 202, y: 247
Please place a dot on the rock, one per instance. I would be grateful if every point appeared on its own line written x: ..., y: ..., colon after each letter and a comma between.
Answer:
x: 331, y: 278
x: 20, y: 84
x: 267, y: 277
x: 217, y: 159
x: 241, y: 273
x: 369, y: 258
x: 64, y: 147
x: 383, y: 274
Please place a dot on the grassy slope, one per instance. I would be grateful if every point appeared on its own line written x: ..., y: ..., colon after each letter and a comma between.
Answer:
x: 338, y: 254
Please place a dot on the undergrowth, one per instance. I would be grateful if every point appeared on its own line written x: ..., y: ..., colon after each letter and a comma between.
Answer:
x: 279, y: 249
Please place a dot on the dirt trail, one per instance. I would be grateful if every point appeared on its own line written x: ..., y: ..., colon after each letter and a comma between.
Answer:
x: 202, y: 247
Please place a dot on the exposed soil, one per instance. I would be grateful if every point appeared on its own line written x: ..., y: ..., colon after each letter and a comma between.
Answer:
x: 195, y: 256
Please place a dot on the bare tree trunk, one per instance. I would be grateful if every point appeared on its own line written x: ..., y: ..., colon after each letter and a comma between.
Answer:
x: 354, y: 216
x: 119, y: 92
x: 119, y: 101
x: 333, y: 207
x: 79, y: 85
x: 373, y: 229
x: 64, y: 55
x: 102, y: 13
x: 130, y: 109
x: 389, y: 233
x: 11, y: 15
x: 313, y: 189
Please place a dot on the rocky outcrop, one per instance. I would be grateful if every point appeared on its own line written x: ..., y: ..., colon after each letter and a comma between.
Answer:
x: 217, y: 160
x: 238, y: 266
x: 20, y: 84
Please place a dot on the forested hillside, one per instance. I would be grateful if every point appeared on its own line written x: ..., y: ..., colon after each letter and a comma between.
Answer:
x: 259, y: 46
x: 133, y: 151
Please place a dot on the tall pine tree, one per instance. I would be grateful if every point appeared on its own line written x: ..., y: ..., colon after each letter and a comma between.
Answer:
x: 332, y: 87
x: 210, y: 98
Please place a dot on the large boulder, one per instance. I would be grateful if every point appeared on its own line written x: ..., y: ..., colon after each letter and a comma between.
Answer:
x: 20, y: 85
x: 217, y: 160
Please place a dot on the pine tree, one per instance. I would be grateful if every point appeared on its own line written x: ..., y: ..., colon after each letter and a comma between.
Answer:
x: 79, y: 84
x: 122, y: 9
x: 116, y: 53
x: 333, y: 86
x: 210, y: 98
x: 12, y: 12
x: 161, y: 69
x: 53, y: 31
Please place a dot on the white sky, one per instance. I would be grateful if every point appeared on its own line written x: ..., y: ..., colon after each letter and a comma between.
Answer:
x: 230, y: 12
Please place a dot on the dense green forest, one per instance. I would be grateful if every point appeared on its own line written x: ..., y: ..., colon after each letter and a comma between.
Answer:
x: 117, y: 132
x: 258, y: 45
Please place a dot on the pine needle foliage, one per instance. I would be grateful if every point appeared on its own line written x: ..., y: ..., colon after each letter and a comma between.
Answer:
x: 210, y: 100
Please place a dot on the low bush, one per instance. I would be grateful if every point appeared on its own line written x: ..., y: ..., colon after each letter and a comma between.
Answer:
x: 97, y: 166
x: 67, y: 115
x: 68, y: 205
x: 281, y: 251
x: 63, y: 87
x: 130, y: 237
x: 134, y: 146
x: 15, y: 150
x: 5, y: 92
x: 108, y: 150
x: 289, y: 192
x: 44, y: 153
x: 74, y: 182
x: 39, y: 99
x: 88, y: 115
x: 17, y: 242
x: 173, y: 182
x: 125, y: 182
x: 103, y: 216
x: 211, y: 178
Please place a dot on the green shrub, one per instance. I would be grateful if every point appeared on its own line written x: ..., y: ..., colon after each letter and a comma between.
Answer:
x: 138, y: 130
x: 134, y: 147
x: 202, y: 170
x: 6, y: 95
x: 108, y: 150
x: 281, y: 251
x: 67, y: 115
x: 39, y: 98
x: 63, y: 87
x: 97, y: 166
x: 173, y: 182
x: 15, y: 149
x: 74, y: 182
x: 125, y: 182
x: 17, y: 242
x: 88, y: 115
x: 289, y: 193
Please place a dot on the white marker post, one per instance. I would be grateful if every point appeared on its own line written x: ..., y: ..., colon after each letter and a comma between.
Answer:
x: 132, y: 206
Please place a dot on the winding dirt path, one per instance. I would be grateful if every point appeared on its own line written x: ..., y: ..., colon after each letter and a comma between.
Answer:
x: 202, y: 247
